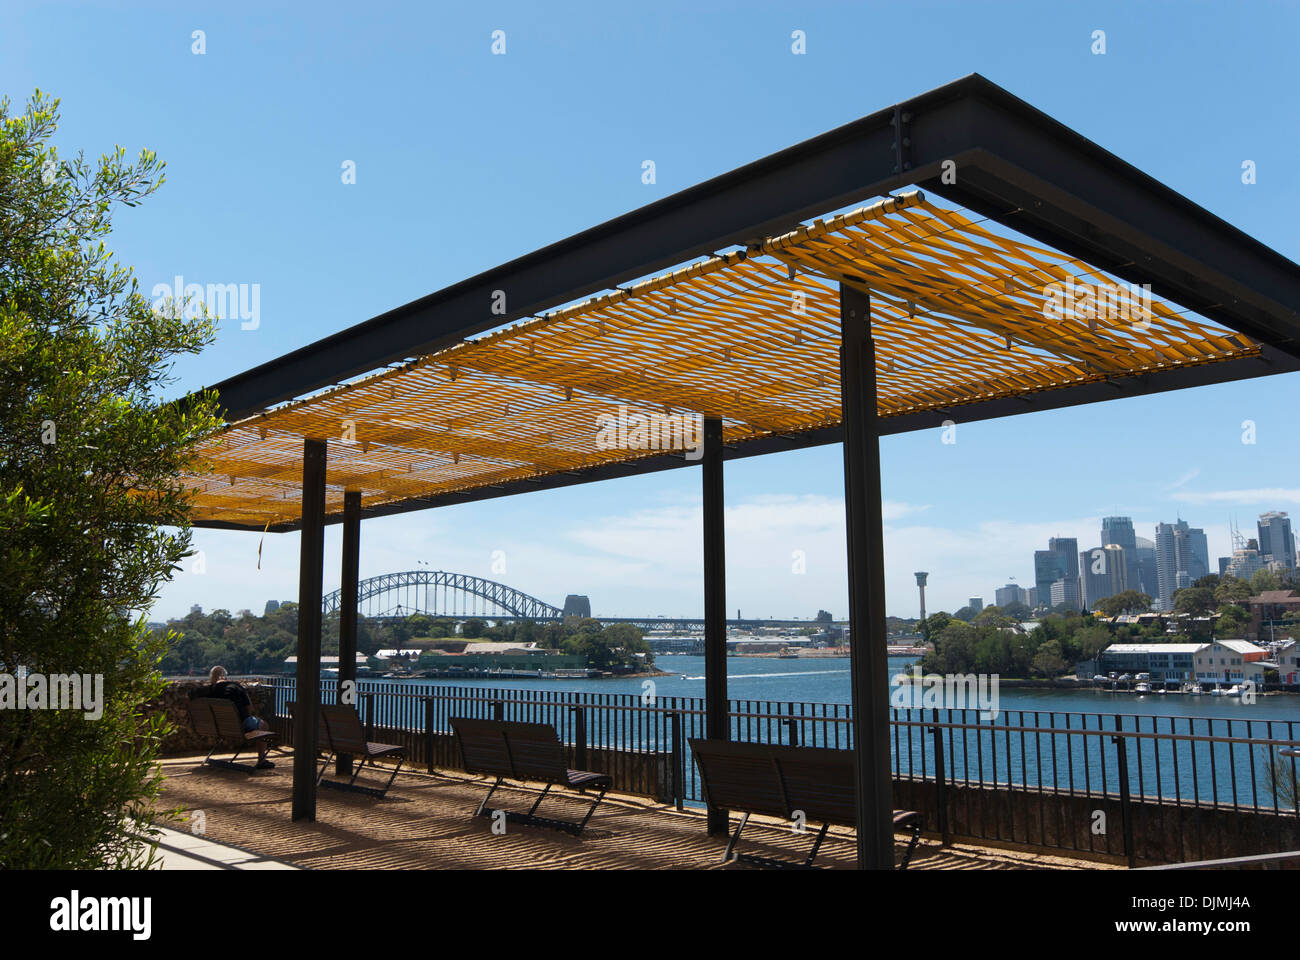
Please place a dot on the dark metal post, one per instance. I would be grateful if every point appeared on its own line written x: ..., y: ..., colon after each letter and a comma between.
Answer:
x: 580, y: 737
x: 717, y: 725
x: 1125, y: 802
x: 940, y: 779
x: 428, y: 733
x: 348, y: 608
x: 310, y: 575
x: 678, y: 759
x: 369, y: 718
x: 868, y: 657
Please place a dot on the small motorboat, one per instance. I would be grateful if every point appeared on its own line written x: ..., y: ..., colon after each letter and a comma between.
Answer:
x: 1142, y: 688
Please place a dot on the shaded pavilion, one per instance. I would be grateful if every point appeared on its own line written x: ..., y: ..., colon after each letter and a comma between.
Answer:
x: 957, y: 257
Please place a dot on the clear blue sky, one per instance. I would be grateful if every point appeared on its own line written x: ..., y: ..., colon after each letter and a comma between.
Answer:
x: 465, y: 160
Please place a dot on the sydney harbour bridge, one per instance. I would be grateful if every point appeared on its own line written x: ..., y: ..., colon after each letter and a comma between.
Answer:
x: 439, y: 593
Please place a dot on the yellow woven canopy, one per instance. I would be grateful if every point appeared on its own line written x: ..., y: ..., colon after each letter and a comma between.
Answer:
x: 959, y: 313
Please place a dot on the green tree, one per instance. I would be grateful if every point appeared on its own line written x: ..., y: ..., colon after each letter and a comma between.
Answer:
x: 1048, y: 661
x: 473, y: 628
x: 92, y: 513
x: 1264, y: 580
x: 1194, y: 601
x: 1128, y: 601
x: 933, y: 625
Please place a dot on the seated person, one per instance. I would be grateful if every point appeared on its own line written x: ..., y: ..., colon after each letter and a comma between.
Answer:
x: 219, y: 686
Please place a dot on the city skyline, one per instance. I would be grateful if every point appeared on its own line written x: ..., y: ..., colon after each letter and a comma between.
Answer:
x: 1176, y: 559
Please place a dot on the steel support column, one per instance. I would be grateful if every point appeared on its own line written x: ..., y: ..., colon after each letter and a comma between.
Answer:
x: 310, y: 574
x: 348, y: 610
x: 717, y: 725
x: 869, y: 662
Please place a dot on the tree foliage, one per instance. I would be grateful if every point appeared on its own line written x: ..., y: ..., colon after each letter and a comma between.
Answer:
x: 91, y: 509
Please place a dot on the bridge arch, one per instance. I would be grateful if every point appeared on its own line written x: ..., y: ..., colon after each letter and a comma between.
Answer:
x: 441, y: 593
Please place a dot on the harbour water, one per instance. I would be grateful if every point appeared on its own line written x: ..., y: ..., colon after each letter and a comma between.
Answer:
x: 826, y: 680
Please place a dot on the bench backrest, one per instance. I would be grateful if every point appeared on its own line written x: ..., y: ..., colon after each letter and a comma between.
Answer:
x: 777, y: 780
x: 507, y: 748
x: 339, y: 726
x: 216, y: 717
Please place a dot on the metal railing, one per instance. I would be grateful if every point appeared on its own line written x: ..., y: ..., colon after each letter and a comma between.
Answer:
x: 1123, y: 760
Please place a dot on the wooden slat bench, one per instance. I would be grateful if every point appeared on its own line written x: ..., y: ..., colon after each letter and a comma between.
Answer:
x: 782, y: 781
x: 339, y: 731
x: 217, y: 718
x: 524, y: 751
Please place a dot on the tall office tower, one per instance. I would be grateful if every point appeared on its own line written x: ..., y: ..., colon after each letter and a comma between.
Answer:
x: 1068, y: 549
x: 1060, y: 561
x: 1193, y: 551
x: 1224, y: 562
x: 1066, y: 591
x: 1182, y: 558
x: 1103, y: 573
x: 921, y: 578
x: 1146, y: 565
x: 976, y: 604
x: 1031, y: 598
x: 1047, y: 570
x: 1166, y: 566
x: 1119, y: 531
x: 1275, y: 539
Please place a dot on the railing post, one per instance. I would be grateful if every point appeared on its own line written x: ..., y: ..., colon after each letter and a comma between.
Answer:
x: 792, y: 730
x: 940, y: 780
x: 579, y: 737
x: 1125, y: 805
x: 369, y: 699
x: 428, y: 733
x: 498, y: 709
x: 678, y: 759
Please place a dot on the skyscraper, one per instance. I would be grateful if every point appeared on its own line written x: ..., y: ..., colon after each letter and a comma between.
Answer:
x: 1166, y: 566
x: 1011, y: 593
x: 1182, y: 558
x: 1119, y: 531
x: 1275, y: 539
x: 1146, y: 565
x: 1104, y: 573
x: 1059, y: 562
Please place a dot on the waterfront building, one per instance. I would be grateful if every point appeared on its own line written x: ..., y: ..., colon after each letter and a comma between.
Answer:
x: 1164, y: 661
x: 1225, y: 661
x: 1215, y: 661
x: 1287, y: 658
x: 1276, y: 541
